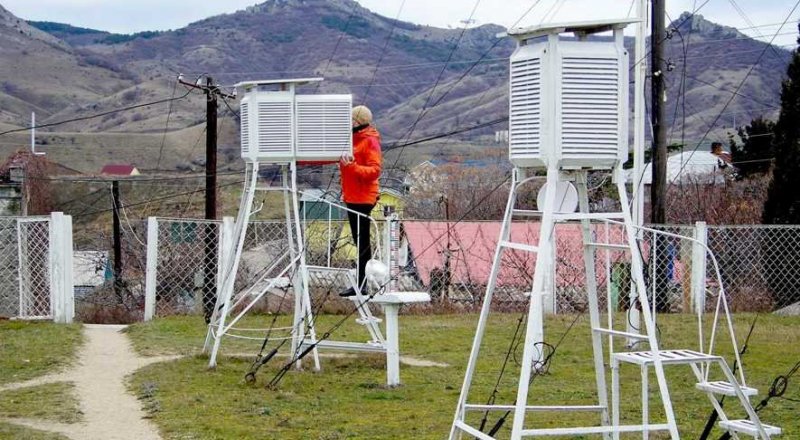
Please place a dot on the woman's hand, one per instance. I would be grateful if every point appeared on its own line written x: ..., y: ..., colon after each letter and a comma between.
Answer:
x: 346, y: 159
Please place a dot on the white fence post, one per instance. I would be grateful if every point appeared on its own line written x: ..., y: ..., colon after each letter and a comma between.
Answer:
x: 151, y: 269
x: 69, y: 271
x: 699, y: 267
x: 224, y: 251
x: 62, y: 307
x: 54, y: 250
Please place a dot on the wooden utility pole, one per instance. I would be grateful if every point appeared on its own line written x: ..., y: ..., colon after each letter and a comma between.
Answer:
x: 117, y: 238
x: 658, y: 194
x: 211, y: 149
x: 211, y: 230
x: 658, y: 116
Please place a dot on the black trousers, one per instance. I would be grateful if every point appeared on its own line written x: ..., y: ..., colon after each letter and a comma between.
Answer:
x: 359, y: 228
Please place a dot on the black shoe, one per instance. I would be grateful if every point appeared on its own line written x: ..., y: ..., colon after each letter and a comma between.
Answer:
x: 348, y: 293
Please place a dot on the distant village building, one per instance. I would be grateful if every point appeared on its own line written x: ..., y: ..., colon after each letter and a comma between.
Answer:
x: 691, y: 167
x: 25, y: 183
x: 120, y: 170
x: 724, y: 158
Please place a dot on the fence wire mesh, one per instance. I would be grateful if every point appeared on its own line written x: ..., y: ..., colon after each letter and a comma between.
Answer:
x: 759, y: 264
x: 100, y: 296
x: 188, y: 263
x: 25, y: 268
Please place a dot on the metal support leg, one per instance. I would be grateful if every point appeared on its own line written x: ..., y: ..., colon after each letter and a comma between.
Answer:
x: 645, y: 402
x: 392, y: 345
x: 505, y: 231
x: 594, y: 306
x: 615, y: 397
x: 529, y: 351
x: 222, y: 307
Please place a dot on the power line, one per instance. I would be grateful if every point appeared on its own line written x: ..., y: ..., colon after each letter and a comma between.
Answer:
x: 733, y: 96
x: 383, y: 51
x: 85, y: 118
x: 469, y: 69
x: 167, y: 197
x: 424, y: 109
x: 166, y: 126
x: 338, y: 42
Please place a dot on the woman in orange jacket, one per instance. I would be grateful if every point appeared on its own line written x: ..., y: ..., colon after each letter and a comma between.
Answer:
x: 360, y: 172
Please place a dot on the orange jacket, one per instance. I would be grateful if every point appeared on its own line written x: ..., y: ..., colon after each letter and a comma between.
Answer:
x: 360, y: 177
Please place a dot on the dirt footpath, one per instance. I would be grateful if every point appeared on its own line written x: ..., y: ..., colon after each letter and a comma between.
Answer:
x: 109, y: 412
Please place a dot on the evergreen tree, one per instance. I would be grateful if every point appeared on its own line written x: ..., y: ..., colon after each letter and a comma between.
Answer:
x: 782, y: 251
x: 754, y: 155
x: 783, y: 198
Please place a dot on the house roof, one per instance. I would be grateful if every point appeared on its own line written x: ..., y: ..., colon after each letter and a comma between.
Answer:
x: 118, y: 170
x: 473, y: 245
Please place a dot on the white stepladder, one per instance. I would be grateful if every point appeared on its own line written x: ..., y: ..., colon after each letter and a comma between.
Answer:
x: 281, y: 127
x: 568, y: 116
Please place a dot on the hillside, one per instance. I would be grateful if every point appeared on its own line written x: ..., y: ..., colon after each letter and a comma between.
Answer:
x: 41, y: 73
x: 80, y: 72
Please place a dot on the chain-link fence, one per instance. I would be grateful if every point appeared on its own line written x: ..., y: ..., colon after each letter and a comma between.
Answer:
x: 760, y: 265
x: 186, y: 260
x: 102, y: 296
x: 35, y: 272
x: 25, y: 273
x: 453, y: 262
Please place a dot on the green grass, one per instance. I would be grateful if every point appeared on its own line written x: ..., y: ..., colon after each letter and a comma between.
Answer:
x: 14, y: 432
x: 32, y: 349
x: 348, y: 399
x: 53, y: 401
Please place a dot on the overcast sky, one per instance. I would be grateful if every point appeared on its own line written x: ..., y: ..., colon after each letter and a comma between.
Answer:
x: 127, y: 16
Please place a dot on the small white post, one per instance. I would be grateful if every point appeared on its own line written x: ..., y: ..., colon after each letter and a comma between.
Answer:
x: 69, y: 272
x: 152, y: 269
x: 392, y: 344
x: 62, y: 295
x: 56, y: 278
x: 699, y: 267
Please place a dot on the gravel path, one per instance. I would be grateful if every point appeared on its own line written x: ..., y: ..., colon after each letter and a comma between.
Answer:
x: 109, y: 411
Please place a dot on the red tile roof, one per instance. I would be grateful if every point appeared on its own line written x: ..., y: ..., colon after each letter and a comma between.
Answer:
x: 473, y: 245
x: 118, y: 170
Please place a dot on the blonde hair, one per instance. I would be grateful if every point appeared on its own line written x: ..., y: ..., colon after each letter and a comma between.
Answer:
x: 362, y: 115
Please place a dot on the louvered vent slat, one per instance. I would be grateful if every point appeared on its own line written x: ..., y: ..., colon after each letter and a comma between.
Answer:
x: 323, y: 126
x: 590, y: 108
x: 245, y: 127
x: 525, y: 102
x: 274, y: 128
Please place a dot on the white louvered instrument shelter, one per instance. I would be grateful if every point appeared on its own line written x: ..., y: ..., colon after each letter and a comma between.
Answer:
x: 280, y: 126
x: 568, y: 96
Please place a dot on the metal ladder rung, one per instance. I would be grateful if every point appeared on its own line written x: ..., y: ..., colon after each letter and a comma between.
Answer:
x: 589, y: 216
x: 531, y: 408
x: 624, y: 247
x: 745, y: 426
x: 367, y: 321
x: 526, y: 213
x: 666, y: 356
x: 619, y: 333
x: 725, y: 388
x: 593, y: 430
x: 519, y: 246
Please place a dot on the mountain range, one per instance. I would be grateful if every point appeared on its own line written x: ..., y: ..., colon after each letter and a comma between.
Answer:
x: 402, y: 70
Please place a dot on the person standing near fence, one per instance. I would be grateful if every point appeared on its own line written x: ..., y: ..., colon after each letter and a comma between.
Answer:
x: 359, y: 173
